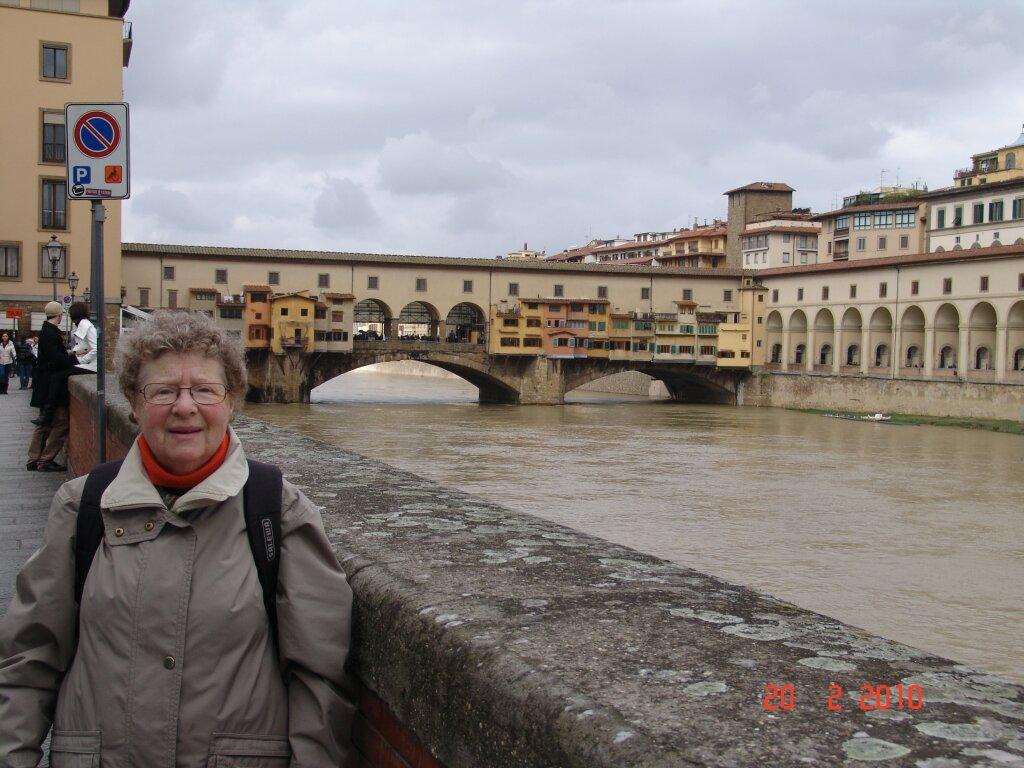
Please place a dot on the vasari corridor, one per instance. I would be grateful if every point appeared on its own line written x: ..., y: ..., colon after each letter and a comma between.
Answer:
x: 503, y: 385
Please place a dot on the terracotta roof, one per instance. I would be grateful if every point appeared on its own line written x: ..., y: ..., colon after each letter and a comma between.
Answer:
x: 252, y: 287
x: 332, y: 295
x: 631, y: 246
x: 684, y: 255
x: 763, y: 186
x: 213, y: 253
x: 869, y: 207
x: 204, y: 290
x: 686, y: 234
x: 563, y: 300
x: 294, y: 294
x: 974, y: 190
x: 997, y: 252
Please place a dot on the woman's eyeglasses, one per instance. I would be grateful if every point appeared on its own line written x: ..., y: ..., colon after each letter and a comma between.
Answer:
x: 167, y: 394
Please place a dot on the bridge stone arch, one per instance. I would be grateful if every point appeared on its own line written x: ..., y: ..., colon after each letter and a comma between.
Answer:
x: 685, y: 383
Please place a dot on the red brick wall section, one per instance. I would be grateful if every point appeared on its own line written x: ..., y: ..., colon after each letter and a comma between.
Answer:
x: 379, y: 739
x: 82, y: 440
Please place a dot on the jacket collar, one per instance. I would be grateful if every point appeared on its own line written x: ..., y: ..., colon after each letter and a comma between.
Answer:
x: 132, y: 487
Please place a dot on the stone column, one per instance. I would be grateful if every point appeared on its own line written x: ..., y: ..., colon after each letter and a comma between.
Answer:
x: 896, y: 355
x: 867, y: 356
x: 785, y: 349
x: 964, y: 363
x: 1001, y: 342
x: 810, y: 352
x: 838, y: 353
x: 929, y: 350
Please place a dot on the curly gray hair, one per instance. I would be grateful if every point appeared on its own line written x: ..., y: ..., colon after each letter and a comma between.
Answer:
x: 184, y: 333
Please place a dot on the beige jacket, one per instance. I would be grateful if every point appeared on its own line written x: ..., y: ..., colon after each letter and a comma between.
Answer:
x: 175, y: 664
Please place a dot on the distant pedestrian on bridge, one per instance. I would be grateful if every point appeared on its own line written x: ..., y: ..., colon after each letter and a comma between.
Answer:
x: 185, y: 607
x: 48, y: 439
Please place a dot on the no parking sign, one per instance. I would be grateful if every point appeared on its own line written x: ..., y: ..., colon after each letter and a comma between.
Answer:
x: 97, y: 151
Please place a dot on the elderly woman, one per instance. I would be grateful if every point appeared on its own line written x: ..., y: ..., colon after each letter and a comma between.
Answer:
x: 171, y: 657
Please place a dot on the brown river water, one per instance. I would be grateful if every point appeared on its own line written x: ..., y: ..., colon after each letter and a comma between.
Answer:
x: 913, y: 533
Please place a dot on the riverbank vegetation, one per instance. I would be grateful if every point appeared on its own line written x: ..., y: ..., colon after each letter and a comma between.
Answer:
x: 991, y: 425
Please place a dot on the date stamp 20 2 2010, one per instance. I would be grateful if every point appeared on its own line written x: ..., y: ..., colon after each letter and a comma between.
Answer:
x: 781, y: 697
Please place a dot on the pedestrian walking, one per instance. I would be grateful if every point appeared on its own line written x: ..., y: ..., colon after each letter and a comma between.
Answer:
x: 25, y: 361
x: 8, y: 356
x: 48, y: 439
x: 85, y: 352
x: 185, y: 608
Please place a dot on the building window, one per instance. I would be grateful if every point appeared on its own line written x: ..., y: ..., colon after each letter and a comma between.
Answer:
x: 54, y: 61
x: 940, y: 218
x: 421, y: 284
x: 983, y: 283
x: 958, y: 215
x: 862, y: 221
x: 785, y: 257
x: 602, y: 291
x: 799, y: 294
x: 284, y: 312
x: 995, y: 210
x: 824, y: 293
x: 304, y: 312
x: 904, y: 241
x: 883, y: 219
x: 220, y: 276
x: 882, y: 243
x: 172, y: 299
x: 467, y: 286
x: 905, y: 218
x: 372, y: 283
x: 645, y: 293
x: 1018, y: 208
x: 143, y: 297
x: 10, y: 260
x: 687, y: 294
x: 274, y: 278
x: 853, y: 291
x: 883, y: 290
x: 559, y: 290
x: 338, y: 316
x: 323, y: 280
x: 168, y: 272
x: 54, y: 204
x: 947, y: 285
x: 786, y: 238
x: 862, y: 243
x: 1020, y: 282
x: 53, y: 138
x: 775, y: 295
x: 513, y: 289
x: 978, y: 213
x: 726, y: 295
x: 915, y: 287
x: 842, y: 222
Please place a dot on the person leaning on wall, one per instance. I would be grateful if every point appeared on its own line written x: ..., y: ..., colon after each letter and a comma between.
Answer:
x: 177, y: 652
x: 48, y: 439
x: 85, y: 351
x: 8, y: 355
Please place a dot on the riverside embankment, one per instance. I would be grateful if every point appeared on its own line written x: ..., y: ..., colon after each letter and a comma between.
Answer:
x: 500, y: 639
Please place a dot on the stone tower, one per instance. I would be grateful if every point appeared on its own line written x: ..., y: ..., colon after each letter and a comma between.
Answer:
x: 748, y: 202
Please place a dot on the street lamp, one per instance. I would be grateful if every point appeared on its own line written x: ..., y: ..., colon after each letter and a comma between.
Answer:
x: 72, y: 284
x: 53, y: 250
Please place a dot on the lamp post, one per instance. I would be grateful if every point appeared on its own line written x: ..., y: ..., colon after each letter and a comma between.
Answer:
x: 72, y: 284
x: 53, y: 250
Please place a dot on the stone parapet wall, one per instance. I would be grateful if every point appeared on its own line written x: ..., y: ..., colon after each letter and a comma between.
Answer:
x: 485, y: 637
x: 875, y: 394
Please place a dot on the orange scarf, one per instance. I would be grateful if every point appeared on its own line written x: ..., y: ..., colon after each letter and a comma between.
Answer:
x: 161, y: 478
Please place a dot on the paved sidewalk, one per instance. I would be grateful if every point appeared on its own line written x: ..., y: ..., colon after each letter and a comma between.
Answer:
x: 24, y: 496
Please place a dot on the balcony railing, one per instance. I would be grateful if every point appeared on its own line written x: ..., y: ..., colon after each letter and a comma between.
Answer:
x: 842, y: 231
x: 53, y: 153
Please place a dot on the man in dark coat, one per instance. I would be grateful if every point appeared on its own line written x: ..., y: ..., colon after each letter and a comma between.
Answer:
x: 49, y: 439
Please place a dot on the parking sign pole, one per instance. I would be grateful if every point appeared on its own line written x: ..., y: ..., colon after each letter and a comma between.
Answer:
x: 98, y: 319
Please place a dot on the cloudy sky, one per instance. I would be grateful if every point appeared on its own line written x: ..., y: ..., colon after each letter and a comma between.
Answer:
x: 465, y: 128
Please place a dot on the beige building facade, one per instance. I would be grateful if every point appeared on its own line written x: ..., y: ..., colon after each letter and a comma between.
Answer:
x: 872, y: 230
x: 950, y: 316
x: 976, y: 216
x: 55, y: 52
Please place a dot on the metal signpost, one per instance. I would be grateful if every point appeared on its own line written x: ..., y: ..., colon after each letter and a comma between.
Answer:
x: 97, y: 168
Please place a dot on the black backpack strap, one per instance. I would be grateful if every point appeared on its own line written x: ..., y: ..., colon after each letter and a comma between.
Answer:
x: 261, y: 498
x: 89, y: 525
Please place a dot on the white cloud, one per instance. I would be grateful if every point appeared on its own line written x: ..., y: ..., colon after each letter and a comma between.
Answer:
x: 419, y: 165
x: 343, y: 206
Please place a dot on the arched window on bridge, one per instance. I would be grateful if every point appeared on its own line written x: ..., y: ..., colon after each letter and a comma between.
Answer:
x: 882, y: 356
x: 370, y: 321
x: 1018, y: 360
x: 825, y: 358
x: 418, y: 321
x: 853, y: 355
x: 982, y: 359
x: 913, y: 357
x: 798, y: 355
x: 947, y: 357
x: 776, y: 353
x: 465, y: 324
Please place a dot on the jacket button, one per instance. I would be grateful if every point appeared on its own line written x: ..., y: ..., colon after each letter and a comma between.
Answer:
x: 150, y: 525
x: 168, y: 662
x: 119, y: 532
